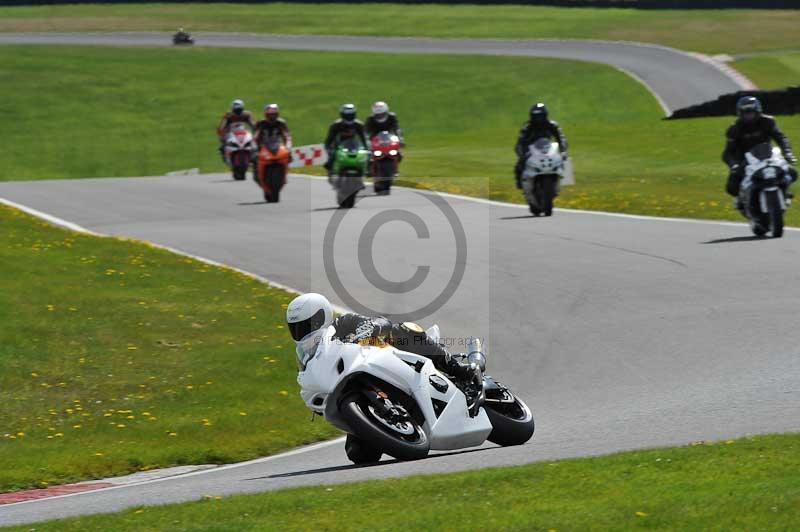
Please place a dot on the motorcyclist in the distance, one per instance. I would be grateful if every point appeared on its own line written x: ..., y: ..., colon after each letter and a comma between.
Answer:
x: 345, y: 127
x: 538, y: 126
x: 750, y: 129
x: 237, y: 114
x: 382, y: 119
x: 310, y: 319
x: 271, y: 126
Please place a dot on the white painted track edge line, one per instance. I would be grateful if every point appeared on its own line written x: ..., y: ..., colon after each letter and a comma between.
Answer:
x: 496, y: 203
x: 301, y: 450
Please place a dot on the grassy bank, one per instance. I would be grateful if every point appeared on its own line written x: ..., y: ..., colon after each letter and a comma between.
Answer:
x: 116, y: 112
x: 117, y: 357
x: 710, y: 31
x: 746, y: 484
x: 773, y: 71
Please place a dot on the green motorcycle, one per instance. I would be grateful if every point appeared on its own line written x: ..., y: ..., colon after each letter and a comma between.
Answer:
x: 349, y: 166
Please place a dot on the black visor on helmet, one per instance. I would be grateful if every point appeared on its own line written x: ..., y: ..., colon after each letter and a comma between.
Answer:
x: 301, y: 329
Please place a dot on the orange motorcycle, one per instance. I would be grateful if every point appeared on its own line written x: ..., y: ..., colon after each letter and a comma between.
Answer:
x: 271, y: 168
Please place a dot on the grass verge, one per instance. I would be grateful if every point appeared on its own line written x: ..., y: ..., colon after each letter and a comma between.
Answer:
x: 149, y: 111
x: 772, y: 71
x: 710, y: 31
x: 116, y: 357
x: 746, y: 484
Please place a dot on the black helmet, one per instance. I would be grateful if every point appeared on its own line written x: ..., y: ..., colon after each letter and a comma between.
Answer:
x: 348, y: 112
x: 748, y: 104
x: 538, y: 112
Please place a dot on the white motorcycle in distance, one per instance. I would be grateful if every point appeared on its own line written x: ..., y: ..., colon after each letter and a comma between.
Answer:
x: 763, y: 190
x: 239, y: 150
x: 395, y: 402
x: 544, y: 168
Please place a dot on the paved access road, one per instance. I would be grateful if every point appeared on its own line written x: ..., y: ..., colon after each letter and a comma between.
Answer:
x: 620, y: 332
x: 678, y: 79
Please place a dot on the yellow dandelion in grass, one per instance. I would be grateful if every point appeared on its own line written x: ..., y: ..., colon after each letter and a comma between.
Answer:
x: 242, y: 413
x: 152, y: 418
x: 283, y: 393
x: 34, y: 374
x: 108, y: 414
x: 641, y: 514
x: 98, y: 454
x: 189, y: 387
x: 146, y: 414
x: 131, y: 417
x: 51, y: 308
x: 120, y: 426
x: 21, y: 434
x: 59, y: 434
x: 173, y: 433
x: 209, y: 382
x: 76, y: 426
x: 138, y: 511
x: 132, y: 348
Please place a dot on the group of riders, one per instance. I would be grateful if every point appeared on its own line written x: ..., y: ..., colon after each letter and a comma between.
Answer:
x: 346, y: 127
x: 751, y: 128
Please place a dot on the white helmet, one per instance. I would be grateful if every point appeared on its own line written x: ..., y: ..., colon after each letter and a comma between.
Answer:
x: 380, y: 110
x: 307, y: 316
x: 237, y: 105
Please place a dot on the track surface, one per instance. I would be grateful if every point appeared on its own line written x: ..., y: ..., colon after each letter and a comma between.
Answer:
x: 620, y: 332
x: 678, y: 79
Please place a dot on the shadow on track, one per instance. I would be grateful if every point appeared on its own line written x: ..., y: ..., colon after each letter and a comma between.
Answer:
x: 246, y: 203
x: 733, y: 239
x: 524, y: 217
x: 348, y: 467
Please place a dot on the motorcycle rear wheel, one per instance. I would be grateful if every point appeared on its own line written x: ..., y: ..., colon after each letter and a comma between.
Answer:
x: 356, y: 412
x: 360, y: 451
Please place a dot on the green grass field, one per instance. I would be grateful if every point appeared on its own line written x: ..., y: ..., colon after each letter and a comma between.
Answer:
x: 117, y: 357
x: 121, y: 112
x: 772, y: 71
x: 746, y: 484
x: 710, y: 31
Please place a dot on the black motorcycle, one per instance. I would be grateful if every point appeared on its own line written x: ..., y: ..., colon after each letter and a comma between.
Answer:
x: 182, y: 37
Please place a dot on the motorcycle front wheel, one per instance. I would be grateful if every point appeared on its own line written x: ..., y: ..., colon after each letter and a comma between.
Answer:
x: 775, y: 213
x: 512, y: 420
x: 405, y: 441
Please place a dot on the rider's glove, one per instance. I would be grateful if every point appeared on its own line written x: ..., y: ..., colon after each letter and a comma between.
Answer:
x: 791, y: 159
x: 564, y: 155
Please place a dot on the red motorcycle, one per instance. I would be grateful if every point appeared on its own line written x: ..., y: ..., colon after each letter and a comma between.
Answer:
x: 386, y: 156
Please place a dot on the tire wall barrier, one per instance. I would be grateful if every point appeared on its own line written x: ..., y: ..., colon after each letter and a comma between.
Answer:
x: 775, y: 102
x: 638, y: 4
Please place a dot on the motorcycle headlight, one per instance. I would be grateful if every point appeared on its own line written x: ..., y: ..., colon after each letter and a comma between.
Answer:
x: 377, y: 153
x: 392, y: 152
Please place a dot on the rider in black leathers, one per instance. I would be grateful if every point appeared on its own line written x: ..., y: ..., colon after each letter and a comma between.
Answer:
x: 408, y: 336
x: 538, y: 126
x: 347, y: 126
x: 751, y: 129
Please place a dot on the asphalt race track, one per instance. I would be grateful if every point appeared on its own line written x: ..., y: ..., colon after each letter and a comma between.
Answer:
x: 620, y: 332
x: 677, y: 79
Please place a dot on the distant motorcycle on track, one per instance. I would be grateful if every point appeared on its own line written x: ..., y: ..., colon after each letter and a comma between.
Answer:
x: 349, y: 167
x: 763, y: 190
x: 271, y: 168
x: 182, y: 38
x: 544, y: 169
x: 385, y: 158
x: 239, y: 150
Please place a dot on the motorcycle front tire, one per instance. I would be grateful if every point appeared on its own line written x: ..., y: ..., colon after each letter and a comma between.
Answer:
x: 512, y: 426
x: 356, y: 414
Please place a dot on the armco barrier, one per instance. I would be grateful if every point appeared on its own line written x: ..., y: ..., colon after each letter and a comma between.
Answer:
x: 776, y: 102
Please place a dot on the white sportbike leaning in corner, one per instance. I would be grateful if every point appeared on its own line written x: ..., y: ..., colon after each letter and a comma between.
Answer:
x: 395, y: 402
